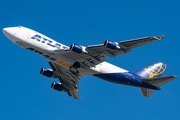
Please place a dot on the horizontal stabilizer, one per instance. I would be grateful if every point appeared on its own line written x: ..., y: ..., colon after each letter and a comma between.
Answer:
x: 158, y: 81
x: 146, y: 92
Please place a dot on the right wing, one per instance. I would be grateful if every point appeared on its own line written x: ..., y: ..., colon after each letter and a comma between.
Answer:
x: 68, y: 79
x: 96, y: 53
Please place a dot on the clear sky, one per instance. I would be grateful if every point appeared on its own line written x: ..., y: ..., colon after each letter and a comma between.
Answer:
x: 26, y: 95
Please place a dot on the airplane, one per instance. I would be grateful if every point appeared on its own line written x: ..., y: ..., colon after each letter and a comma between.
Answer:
x: 68, y: 64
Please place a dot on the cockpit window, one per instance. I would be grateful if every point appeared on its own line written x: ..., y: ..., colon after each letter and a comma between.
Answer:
x: 19, y: 26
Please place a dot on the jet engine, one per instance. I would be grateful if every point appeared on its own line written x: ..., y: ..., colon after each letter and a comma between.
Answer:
x: 57, y: 86
x: 77, y: 48
x: 110, y: 44
x: 46, y: 72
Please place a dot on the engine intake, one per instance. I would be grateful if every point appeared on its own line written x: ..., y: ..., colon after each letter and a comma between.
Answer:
x: 57, y: 86
x: 77, y: 48
x: 110, y: 44
x: 46, y: 72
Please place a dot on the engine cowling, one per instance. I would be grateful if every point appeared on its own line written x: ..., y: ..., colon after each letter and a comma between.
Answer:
x: 77, y: 48
x: 110, y: 44
x: 46, y: 72
x: 57, y: 86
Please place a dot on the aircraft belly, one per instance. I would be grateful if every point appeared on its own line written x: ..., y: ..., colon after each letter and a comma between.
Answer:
x: 119, y: 78
x: 126, y: 79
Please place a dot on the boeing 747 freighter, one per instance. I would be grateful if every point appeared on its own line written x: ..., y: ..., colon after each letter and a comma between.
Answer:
x: 68, y: 64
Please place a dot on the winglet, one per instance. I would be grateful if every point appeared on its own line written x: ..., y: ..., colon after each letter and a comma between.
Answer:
x: 160, y: 37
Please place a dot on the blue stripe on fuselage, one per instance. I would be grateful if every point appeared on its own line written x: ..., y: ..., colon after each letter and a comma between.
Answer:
x: 126, y: 78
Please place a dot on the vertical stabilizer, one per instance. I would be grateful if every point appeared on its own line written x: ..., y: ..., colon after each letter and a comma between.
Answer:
x: 146, y: 92
x: 152, y: 71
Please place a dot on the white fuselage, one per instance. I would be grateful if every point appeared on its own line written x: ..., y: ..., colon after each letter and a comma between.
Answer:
x: 45, y: 46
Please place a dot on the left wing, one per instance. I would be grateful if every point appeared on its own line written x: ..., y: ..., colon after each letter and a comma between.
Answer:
x: 93, y: 55
x: 68, y: 79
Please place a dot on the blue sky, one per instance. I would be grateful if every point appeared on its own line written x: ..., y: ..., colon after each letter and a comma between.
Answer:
x: 26, y: 95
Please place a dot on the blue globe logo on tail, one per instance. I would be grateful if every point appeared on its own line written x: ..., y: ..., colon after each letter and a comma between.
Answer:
x: 152, y: 71
x: 156, y: 70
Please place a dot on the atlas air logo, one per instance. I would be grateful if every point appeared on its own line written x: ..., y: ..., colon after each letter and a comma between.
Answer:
x: 49, y: 42
x: 156, y: 70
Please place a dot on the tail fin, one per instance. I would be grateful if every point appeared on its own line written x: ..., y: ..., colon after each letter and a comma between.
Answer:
x: 157, y: 81
x: 152, y: 75
x: 152, y: 71
x: 146, y: 92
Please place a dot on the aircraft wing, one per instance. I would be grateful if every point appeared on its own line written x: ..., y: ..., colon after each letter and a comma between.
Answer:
x: 141, y: 41
x: 68, y: 79
x: 95, y: 54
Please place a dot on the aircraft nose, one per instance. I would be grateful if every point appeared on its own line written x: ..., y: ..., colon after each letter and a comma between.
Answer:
x: 9, y: 31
